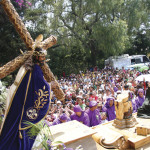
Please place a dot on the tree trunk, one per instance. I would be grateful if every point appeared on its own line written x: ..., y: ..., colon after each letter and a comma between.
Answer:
x: 93, y: 53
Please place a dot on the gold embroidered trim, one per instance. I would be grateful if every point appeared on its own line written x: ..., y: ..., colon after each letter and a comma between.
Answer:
x: 41, y: 101
x: 12, y: 99
x: 16, y: 83
x: 42, y: 118
x: 25, y: 100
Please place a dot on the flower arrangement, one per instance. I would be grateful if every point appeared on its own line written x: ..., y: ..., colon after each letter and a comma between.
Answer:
x: 45, y: 140
x: 23, y: 3
x: 3, y: 96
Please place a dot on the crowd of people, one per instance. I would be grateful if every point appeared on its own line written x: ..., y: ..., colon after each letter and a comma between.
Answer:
x: 90, y: 96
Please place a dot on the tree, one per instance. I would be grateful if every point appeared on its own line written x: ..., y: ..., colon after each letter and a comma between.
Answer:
x: 141, y: 44
x: 103, y: 27
x: 88, y: 31
x: 10, y: 42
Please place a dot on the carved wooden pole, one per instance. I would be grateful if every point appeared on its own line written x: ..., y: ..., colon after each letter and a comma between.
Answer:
x: 26, y: 37
x: 49, y: 77
x: 14, y: 64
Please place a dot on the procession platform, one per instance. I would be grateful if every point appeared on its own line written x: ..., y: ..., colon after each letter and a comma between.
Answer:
x: 74, y: 133
x: 110, y: 135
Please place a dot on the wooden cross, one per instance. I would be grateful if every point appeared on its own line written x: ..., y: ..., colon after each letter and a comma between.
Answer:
x: 31, y: 44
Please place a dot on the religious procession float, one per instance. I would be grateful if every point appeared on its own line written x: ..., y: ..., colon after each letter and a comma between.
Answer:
x: 29, y: 96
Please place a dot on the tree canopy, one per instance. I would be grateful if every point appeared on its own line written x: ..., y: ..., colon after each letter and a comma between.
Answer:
x: 88, y: 31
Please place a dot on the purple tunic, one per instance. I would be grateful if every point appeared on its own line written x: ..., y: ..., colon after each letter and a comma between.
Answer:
x: 139, y: 101
x: 94, y: 116
x: 104, y: 109
x: 115, y: 89
x: 110, y: 111
x: 134, y: 106
x: 84, y: 118
x: 57, y: 121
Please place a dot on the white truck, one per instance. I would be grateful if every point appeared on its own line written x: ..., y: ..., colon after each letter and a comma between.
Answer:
x: 126, y: 61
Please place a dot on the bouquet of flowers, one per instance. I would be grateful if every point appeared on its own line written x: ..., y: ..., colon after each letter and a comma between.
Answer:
x: 45, y: 140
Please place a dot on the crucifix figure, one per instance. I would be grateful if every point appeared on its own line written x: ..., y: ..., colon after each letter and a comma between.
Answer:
x: 29, y: 96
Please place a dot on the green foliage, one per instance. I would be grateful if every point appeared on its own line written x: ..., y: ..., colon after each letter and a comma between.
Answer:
x: 46, y: 138
x: 141, y: 44
x: 10, y: 42
x: 8, y: 80
x: 103, y: 27
x: 113, y: 38
x: 3, y: 96
x: 88, y: 31
x: 35, y: 128
x: 43, y: 131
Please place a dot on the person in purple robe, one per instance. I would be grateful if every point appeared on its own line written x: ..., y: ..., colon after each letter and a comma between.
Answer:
x: 139, y: 99
x: 80, y: 116
x: 61, y: 119
x: 111, y: 79
x: 94, y: 114
x: 115, y: 89
x: 110, y: 109
x: 133, y: 102
x: 100, y: 107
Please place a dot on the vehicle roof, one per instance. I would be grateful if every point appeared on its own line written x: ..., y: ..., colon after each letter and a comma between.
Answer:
x: 124, y: 56
x: 134, y: 56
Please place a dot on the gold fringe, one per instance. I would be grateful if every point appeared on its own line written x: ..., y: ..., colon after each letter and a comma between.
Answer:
x: 20, y: 135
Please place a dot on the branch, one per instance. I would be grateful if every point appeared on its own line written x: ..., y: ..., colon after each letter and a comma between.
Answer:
x: 70, y: 28
x: 75, y: 33
x: 95, y: 20
x: 73, y: 12
x: 58, y: 45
